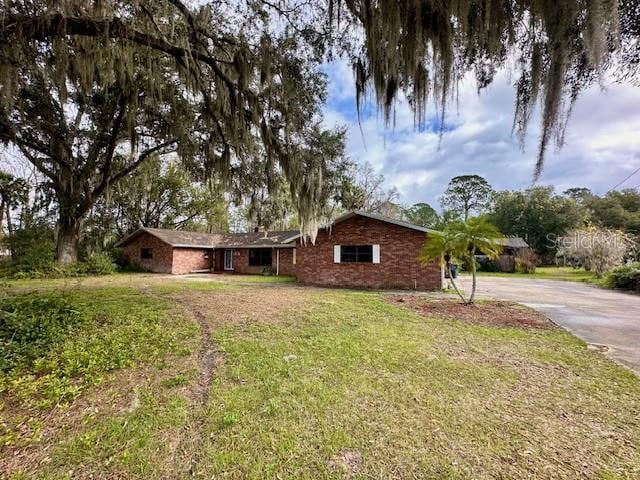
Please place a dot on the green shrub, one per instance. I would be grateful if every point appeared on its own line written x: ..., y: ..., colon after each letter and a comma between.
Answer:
x: 487, y: 265
x: 33, y: 248
x: 97, y: 264
x: 465, y: 265
x: 526, y: 262
x: 132, y: 268
x: 626, y: 277
x: 29, y: 327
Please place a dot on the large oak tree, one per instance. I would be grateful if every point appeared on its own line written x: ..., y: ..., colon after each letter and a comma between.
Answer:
x: 90, y: 89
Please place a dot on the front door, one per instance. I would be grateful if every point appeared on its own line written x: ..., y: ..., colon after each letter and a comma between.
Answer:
x: 228, y: 259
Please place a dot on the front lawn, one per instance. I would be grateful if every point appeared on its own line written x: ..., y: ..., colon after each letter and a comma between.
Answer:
x: 568, y: 274
x: 289, y: 382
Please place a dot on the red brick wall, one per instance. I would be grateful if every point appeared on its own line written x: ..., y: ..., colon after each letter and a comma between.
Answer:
x: 398, y: 267
x: 186, y: 260
x: 286, y: 262
x: 162, y: 260
x: 241, y: 262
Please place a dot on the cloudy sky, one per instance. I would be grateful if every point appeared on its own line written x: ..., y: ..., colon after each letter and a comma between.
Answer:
x: 602, y: 141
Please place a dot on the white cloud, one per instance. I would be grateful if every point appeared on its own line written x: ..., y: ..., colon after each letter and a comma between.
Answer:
x: 602, y: 141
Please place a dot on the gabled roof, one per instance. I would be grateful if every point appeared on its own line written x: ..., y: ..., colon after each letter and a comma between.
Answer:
x: 175, y: 238
x: 381, y: 218
x: 179, y: 238
x: 374, y: 216
x: 512, y: 242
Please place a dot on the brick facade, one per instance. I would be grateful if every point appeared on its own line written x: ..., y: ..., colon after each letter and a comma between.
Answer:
x: 286, y: 262
x: 398, y: 267
x: 186, y: 260
x: 165, y: 258
x: 162, y: 261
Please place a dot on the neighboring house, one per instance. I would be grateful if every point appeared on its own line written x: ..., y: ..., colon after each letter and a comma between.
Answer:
x: 512, y: 247
x: 358, y: 249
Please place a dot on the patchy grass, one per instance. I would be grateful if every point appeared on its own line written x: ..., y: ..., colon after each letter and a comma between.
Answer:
x: 358, y: 386
x: 56, y: 344
x: 237, y: 278
x: 78, y: 369
x: 567, y: 274
x: 315, y: 383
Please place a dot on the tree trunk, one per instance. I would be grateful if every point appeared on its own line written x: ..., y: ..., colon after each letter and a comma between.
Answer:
x: 455, y: 287
x: 10, y: 228
x: 68, y: 239
x: 473, y: 276
x: 1, y: 217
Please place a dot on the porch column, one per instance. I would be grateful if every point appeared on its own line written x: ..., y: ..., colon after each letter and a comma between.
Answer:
x: 277, y: 262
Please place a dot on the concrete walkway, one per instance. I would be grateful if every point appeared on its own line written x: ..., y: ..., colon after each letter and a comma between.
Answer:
x: 598, y: 316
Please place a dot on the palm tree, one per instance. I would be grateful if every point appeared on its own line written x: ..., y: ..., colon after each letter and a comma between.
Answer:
x: 444, y: 247
x: 462, y: 240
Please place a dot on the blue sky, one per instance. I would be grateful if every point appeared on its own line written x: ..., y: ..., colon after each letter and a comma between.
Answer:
x: 602, y: 140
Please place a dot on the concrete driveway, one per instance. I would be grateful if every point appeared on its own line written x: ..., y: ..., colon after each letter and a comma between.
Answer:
x: 596, y: 315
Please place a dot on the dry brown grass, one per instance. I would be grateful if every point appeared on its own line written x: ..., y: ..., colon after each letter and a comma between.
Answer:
x: 245, y: 305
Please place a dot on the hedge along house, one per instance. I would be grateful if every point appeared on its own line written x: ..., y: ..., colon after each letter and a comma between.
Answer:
x: 359, y: 250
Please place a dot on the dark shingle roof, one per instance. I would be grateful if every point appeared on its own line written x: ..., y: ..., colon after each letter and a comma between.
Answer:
x: 179, y: 238
x: 513, y: 242
x: 255, y: 239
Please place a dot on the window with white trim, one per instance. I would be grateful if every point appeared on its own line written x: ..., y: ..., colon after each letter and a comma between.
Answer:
x: 356, y: 254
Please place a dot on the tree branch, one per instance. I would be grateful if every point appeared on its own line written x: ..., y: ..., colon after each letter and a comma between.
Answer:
x: 41, y: 27
x: 143, y: 156
x: 111, y: 147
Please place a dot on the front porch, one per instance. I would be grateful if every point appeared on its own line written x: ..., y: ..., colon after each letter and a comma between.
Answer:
x: 254, y: 261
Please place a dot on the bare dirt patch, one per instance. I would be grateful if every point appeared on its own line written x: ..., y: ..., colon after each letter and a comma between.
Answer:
x: 245, y: 305
x: 489, y: 313
x: 346, y: 461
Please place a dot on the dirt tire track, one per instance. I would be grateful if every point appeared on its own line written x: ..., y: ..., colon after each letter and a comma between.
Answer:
x: 188, y: 446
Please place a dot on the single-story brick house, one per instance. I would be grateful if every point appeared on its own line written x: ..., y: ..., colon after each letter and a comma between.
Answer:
x: 358, y: 249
